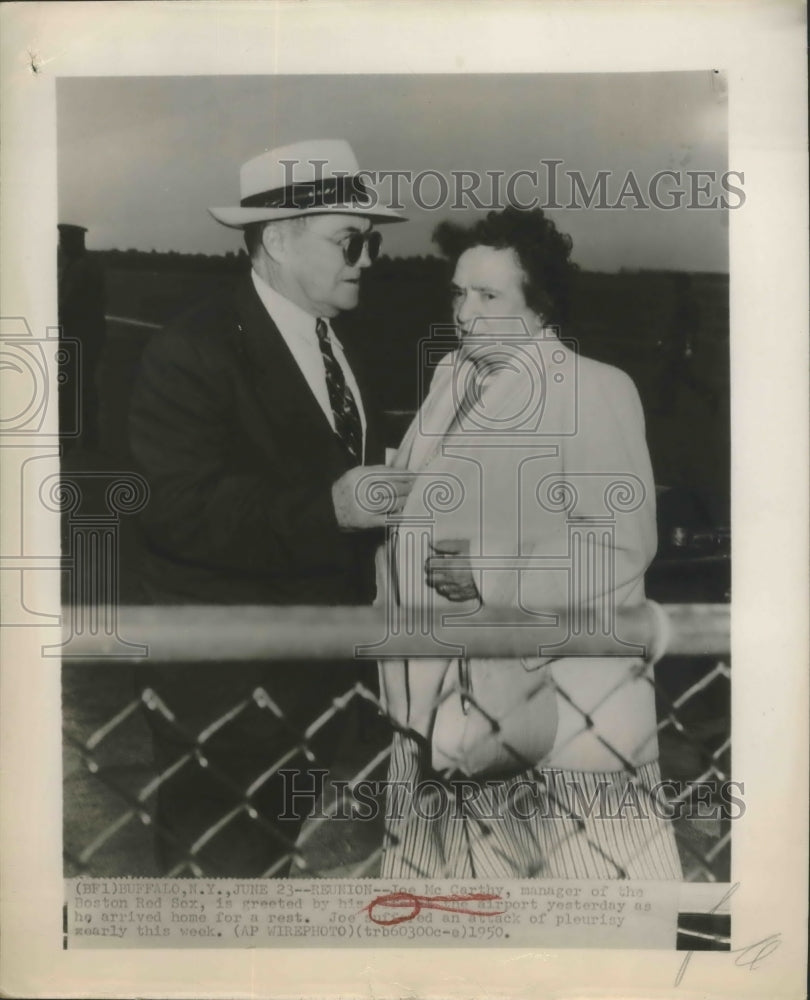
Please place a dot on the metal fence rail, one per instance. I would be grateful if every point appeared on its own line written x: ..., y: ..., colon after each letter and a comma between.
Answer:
x: 245, y: 633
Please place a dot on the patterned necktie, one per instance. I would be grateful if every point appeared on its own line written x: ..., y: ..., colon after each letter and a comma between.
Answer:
x: 344, y: 408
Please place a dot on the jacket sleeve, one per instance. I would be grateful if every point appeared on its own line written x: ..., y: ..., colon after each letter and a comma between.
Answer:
x: 182, y: 427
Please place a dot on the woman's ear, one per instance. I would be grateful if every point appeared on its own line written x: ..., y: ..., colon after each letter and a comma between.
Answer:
x: 539, y: 323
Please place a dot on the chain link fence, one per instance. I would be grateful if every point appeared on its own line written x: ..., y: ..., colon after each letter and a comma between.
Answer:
x: 326, y: 760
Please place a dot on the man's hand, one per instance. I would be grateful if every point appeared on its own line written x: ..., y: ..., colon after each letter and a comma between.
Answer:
x: 448, y: 570
x: 366, y: 495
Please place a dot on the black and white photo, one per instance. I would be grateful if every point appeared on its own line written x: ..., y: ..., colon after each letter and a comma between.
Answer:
x: 389, y: 521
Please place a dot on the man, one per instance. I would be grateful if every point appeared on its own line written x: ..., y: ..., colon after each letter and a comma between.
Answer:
x: 252, y: 428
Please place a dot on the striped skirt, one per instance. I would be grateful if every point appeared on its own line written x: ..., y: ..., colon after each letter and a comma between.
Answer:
x: 551, y: 824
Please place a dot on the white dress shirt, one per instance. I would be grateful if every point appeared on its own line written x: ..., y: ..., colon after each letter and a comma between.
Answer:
x: 297, y: 327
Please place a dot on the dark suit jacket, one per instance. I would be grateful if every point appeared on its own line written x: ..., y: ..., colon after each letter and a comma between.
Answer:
x: 240, y: 460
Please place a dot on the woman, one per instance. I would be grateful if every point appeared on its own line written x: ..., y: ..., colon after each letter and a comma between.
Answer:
x: 554, y: 501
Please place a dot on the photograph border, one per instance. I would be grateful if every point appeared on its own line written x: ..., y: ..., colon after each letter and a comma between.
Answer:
x: 761, y: 48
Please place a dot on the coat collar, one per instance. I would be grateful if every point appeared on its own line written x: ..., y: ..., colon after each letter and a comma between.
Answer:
x: 282, y: 391
x: 280, y: 388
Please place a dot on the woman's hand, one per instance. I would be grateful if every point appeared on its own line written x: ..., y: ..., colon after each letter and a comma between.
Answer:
x: 448, y: 570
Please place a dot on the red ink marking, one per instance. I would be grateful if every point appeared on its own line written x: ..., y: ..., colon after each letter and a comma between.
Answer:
x: 400, y: 900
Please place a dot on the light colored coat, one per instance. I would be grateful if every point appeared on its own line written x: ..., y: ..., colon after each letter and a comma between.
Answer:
x: 551, y: 462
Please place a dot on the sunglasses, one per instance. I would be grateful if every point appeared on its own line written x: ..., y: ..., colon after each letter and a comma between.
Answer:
x: 352, y: 246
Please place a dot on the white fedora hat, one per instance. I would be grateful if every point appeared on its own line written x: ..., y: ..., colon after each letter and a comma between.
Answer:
x: 305, y: 178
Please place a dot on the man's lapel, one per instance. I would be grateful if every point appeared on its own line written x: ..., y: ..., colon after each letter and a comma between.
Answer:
x: 281, y: 390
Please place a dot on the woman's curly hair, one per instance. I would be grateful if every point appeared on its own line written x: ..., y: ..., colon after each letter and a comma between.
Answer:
x: 543, y: 251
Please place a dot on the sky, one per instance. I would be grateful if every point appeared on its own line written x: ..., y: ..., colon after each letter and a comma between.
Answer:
x: 141, y: 158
